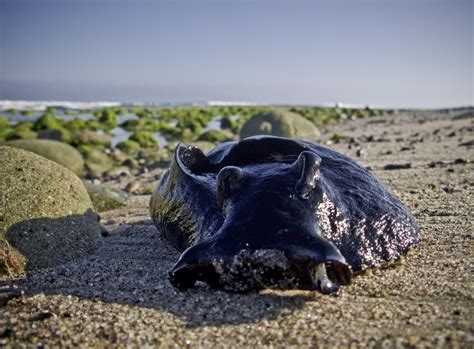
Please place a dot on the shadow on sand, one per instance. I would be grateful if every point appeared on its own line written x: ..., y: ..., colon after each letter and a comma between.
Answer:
x: 131, y: 268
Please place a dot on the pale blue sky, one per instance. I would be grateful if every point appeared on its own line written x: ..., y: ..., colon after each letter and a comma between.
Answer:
x: 416, y: 53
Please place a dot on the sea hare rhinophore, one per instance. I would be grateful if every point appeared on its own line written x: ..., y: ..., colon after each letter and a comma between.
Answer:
x: 269, y: 212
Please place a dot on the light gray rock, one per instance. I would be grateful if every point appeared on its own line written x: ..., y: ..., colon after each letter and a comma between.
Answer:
x: 280, y: 123
x: 105, y: 198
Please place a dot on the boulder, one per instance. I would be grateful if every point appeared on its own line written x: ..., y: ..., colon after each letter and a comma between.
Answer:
x: 280, y: 123
x: 46, y: 215
x: 59, y: 152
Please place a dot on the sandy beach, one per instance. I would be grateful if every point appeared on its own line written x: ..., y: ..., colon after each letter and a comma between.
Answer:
x: 121, y: 297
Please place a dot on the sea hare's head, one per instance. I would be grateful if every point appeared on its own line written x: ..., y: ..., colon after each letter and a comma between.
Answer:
x: 270, y: 236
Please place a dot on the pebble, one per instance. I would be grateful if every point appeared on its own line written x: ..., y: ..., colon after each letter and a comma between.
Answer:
x: 134, y: 187
x: 361, y: 153
x: 397, y: 166
x: 467, y: 143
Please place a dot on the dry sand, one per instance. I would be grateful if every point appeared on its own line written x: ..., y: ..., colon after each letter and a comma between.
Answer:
x: 121, y: 296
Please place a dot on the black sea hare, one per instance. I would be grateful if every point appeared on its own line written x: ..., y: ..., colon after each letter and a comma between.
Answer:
x: 277, y: 213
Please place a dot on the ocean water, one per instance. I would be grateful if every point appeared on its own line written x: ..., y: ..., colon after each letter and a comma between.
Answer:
x: 119, y: 134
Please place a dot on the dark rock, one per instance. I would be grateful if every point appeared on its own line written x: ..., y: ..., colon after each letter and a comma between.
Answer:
x: 228, y: 124
x: 374, y: 138
x: 460, y: 161
x: 7, y: 332
x: 397, y: 166
x: 104, y: 232
x: 131, y: 163
x: 448, y: 190
x: 467, y: 143
x: 361, y: 153
x: 434, y: 164
x: 60, y: 135
x: 42, y: 315
x: 8, y: 294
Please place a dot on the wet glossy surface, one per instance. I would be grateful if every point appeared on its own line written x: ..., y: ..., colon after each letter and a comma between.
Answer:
x: 274, y: 212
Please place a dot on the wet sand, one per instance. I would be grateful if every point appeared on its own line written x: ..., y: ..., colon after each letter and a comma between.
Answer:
x: 120, y: 297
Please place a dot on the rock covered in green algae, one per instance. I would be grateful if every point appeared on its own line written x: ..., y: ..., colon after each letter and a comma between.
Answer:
x: 47, y: 121
x: 105, y: 198
x: 98, y: 162
x: 46, y: 215
x: 22, y: 130
x: 59, y: 152
x: 91, y: 137
x: 215, y: 136
x: 129, y: 146
x: 144, y: 139
x: 279, y: 122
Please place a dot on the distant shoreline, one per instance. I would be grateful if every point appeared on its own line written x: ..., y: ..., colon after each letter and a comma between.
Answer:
x: 40, y: 105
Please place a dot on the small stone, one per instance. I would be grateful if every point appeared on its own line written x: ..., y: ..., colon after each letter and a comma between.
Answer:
x: 105, y: 198
x: 397, y: 166
x: 361, y: 153
x: 118, y: 172
x: 134, y: 187
x: 373, y: 138
x: 7, y: 332
x: 42, y: 315
x: 460, y: 161
x: 467, y: 143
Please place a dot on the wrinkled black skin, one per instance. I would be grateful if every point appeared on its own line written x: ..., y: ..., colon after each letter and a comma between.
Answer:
x: 343, y: 217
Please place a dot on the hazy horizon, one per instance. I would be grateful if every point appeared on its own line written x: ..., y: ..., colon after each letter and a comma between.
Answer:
x: 381, y: 53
